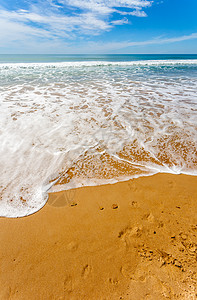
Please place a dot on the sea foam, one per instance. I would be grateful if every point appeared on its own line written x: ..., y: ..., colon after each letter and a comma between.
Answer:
x: 71, y: 124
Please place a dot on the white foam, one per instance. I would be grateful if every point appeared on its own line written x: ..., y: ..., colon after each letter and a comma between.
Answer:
x: 100, y: 63
x: 53, y: 113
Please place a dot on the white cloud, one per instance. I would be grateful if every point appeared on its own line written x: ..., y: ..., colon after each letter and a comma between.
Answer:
x: 113, y: 46
x: 67, y: 18
x: 120, y: 22
x: 106, y: 6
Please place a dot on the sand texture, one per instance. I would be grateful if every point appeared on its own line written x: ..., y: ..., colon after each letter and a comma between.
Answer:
x: 130, y: 240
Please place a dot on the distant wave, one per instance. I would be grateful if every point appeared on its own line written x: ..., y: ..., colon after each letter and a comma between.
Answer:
x: 100, y: 63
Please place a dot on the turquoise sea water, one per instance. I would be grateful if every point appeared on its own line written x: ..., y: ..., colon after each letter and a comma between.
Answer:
x: 74, y: 120
x: 28, y: 58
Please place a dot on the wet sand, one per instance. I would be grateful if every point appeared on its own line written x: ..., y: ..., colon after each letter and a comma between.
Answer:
x: 130, y: 240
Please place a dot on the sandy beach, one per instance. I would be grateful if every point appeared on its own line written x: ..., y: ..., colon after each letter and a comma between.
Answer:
x: 98, y: 150
x: 130, y: 240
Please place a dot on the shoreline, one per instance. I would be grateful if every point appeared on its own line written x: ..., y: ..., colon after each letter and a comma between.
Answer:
x: 115, y: 241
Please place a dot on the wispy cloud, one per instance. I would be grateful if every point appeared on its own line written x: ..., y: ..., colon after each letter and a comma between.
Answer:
x: 112, y: 46
x: 107, y: 6
x: 66, y: 18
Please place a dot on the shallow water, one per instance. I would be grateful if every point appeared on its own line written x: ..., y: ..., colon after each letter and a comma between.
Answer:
x: 74, y: 123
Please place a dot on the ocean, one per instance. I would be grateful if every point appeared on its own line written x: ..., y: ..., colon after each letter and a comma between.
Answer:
x: 76, y: 120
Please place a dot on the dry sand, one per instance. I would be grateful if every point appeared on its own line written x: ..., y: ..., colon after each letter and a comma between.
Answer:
x: 131, y: 240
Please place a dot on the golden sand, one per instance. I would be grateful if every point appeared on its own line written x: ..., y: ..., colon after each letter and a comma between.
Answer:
x: 130, y: 240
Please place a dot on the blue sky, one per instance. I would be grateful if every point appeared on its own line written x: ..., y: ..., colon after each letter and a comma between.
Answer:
x: 99, y: 26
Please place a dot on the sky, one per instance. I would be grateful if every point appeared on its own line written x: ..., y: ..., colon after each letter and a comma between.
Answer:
x: 98, y: 26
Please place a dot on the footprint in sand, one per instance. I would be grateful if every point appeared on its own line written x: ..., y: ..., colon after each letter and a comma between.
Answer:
x: 115, y: 206
x: 129, y: 235
x: 149, y: 217
x: 101, y: 208
x: 135, y: 231
x: 113, y: 281
x: 171, y: 184
x: 73, y: 204
x: 134, y: 204
x: 86, y: 271
x: 68, y: 284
